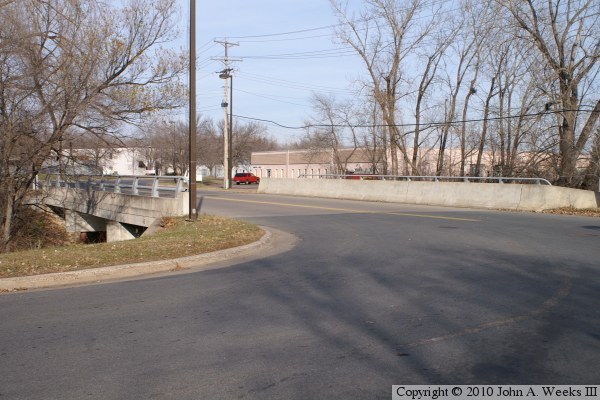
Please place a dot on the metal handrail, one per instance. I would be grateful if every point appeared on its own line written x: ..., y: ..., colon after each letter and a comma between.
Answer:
x: 146, y: 185
x: 484, y: 179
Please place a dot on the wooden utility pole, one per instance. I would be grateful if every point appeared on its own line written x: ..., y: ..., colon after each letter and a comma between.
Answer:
x: 227, y: 128
x: 193, y: 213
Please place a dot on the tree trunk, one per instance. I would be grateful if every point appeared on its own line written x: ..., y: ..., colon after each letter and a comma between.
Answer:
x: 8, y: 215
x: 463, y: 133
x: 567, y: 169
x: 485, y: 125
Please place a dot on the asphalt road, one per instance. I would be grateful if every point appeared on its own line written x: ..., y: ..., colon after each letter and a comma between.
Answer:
x: 373, y: 295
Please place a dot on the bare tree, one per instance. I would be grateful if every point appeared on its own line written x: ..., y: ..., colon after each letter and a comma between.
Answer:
x: 167, y: 143
x: 486, y: 114
x: 210, y: 144
x: 248, y: 138
x: 567, y: 38
x: 372, y: 139
x: 384, y: 36
x: 472, y: 90
x: 475, y: 26
x: 77, y: 65
x: 433, y: 57
x: 518, y: 98
x: 334, y: 131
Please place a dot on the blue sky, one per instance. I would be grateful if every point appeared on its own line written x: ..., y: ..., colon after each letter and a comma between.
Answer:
x: 279, y: 72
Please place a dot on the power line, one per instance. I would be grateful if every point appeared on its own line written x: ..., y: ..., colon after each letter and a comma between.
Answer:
x: 312, y: 88
x: 424, y: 125
x: 206, y: 63
x: 291, y: 84
x: 285, y: 40
x: 206, y: 44
x: 305, y: 55
x: 425, y: 4
x: 286, y: 33
x: 271, y: 98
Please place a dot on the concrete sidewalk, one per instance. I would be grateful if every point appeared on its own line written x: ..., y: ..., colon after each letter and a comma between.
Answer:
x: 273, y: 242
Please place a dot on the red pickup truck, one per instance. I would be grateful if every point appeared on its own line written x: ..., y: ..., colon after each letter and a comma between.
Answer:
x: 246, y: 177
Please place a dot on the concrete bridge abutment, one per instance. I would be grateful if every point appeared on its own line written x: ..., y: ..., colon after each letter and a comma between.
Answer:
x: 121, y: 216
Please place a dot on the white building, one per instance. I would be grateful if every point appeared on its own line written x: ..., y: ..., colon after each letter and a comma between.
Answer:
x: 127, y: 161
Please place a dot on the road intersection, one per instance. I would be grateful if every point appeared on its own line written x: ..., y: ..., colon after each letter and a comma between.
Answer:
x: 373, y: 295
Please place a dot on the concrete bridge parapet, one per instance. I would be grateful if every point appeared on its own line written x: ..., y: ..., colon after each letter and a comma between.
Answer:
x: 528, y: 197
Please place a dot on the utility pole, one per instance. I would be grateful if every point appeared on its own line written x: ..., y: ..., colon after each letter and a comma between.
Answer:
x: 227, y: 128
x: 193, y: 213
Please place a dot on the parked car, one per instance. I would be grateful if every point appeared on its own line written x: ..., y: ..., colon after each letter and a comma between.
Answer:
x: 246, y: 177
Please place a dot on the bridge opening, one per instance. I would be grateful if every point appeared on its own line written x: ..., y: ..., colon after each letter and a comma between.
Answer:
x: 135, y: 230
x: 92, y: 237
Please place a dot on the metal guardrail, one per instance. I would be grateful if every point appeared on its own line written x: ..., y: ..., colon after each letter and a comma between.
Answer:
x: 484, y: 179
x: 147, y: 185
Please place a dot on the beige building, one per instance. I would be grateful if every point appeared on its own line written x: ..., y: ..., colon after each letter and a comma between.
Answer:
x: 292, y: 163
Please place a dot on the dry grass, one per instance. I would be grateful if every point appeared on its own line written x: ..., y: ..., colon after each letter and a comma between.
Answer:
x: 178, y: 239
x: 36, y: 229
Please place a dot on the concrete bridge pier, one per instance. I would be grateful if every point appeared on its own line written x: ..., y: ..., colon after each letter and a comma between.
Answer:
x: 117, y: 231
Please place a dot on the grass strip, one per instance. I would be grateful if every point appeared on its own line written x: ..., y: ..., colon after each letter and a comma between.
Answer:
x: 178, y: 238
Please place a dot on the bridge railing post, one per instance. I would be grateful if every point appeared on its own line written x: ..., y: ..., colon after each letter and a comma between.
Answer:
x: 155, y: 187
x: 134, y: 186
x: 178, y: 187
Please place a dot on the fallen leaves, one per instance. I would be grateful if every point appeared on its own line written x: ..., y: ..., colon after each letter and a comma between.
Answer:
x: 586, y: 212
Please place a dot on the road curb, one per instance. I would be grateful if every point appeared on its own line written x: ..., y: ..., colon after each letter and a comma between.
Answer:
x: 93, y: 275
